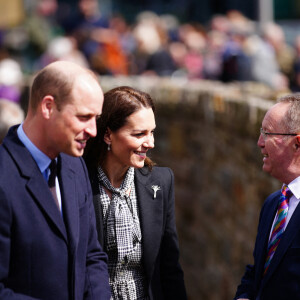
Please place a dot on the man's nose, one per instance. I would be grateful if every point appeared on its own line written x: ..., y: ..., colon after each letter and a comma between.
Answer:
x: 261, y: 141
x: 92, y: 128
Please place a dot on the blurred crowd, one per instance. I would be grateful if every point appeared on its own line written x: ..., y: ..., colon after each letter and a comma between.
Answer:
x: 230, y: 48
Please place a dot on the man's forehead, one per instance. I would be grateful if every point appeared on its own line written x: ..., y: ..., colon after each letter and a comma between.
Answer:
x: 275, y: 114
x: 279, y: 108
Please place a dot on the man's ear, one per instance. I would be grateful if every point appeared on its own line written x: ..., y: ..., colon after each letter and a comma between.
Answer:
x: 47, y: 106
x: 297, y: 144
x: 107, y: 136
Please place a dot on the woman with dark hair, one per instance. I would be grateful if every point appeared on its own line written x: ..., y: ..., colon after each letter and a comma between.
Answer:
x: 134, y: 201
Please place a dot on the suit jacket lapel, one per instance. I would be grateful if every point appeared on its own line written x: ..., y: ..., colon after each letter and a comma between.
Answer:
x: 42, y: 195
x: 98, y: 207
x: 151, y: 217
x: 69, y: 204
x: 36, y: 183
x: 285, y: 242
x: 99, y: 218
x: 262, y: 243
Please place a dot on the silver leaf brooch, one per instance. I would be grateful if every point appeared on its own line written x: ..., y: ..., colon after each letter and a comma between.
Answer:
x: 155, y: 188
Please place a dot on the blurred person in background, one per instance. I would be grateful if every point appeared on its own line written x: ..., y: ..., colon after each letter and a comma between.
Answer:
x: 11, y: 80
x: 100, y: 43
x: 81, y: 25
x: 10, y: 114
x: 63, y: 48
x: 236, y: 63
x: 295, y: 82
x: 11, y: 88
x: 264, y: 63
x: 192, y: 36
x: 134, y: 201
x: 285, y: 54
x: 39, y: 28
x: 212, y: 64
x: 152, y: 55
x: 125, y: 42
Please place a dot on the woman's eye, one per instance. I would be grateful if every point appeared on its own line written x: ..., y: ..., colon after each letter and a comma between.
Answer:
x: 139, y: 134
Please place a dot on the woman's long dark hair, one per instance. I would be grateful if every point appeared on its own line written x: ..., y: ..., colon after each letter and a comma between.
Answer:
x: 119, y: 104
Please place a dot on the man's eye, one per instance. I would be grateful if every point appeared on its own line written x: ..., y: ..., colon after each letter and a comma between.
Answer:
x: 84, y: 118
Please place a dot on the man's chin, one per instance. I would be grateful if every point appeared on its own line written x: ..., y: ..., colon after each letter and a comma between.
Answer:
x: 79, y: 153
x: 75, y: 152
x: 266, y: 169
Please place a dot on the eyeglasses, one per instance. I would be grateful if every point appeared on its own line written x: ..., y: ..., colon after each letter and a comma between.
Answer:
x: 265, y: 134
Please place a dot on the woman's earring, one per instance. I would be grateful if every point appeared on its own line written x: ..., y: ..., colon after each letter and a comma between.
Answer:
x: 108, y: 147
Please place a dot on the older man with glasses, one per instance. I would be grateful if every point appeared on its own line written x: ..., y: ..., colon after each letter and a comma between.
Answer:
x: 275, y: 273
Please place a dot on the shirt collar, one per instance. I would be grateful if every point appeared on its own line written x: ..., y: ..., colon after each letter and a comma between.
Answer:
x: 294, y: 186
x: 40, y: 158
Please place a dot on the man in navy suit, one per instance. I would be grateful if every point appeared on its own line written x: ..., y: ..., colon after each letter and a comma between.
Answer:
x: 278, y: 278
x: 48, y: 241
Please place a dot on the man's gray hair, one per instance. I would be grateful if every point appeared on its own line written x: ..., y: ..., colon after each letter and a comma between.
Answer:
x: 291, y: 120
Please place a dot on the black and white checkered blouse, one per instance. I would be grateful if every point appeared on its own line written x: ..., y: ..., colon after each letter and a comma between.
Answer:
x: 127, y: 278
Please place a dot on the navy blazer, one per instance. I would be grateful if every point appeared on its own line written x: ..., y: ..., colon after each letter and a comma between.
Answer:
x: 42, y: 255
x: 282, y: 280
x: 159, y: 237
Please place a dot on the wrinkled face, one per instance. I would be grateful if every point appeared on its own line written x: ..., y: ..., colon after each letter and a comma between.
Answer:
x: 129, y: 144
x: 278, y: 151
x: 75, y: 122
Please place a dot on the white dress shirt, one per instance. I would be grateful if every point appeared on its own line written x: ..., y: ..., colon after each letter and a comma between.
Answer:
x: 294, y: 187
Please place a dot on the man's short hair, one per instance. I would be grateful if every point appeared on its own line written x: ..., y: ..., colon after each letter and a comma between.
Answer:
x: 51, y: 81
x: 291, y: 121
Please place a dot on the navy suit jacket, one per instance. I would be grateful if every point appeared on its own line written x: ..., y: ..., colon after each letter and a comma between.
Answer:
x: 282, y: 280
x: 42, y: 255
x: 159, y: 236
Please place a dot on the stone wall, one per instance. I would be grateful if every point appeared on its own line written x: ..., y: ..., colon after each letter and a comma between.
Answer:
x: 207, y: 133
